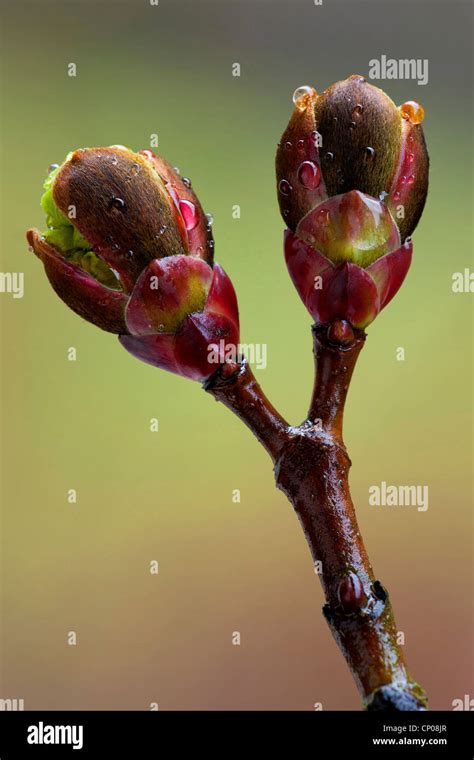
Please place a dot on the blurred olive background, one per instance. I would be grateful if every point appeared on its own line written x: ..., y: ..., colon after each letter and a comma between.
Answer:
x: 167, y: 496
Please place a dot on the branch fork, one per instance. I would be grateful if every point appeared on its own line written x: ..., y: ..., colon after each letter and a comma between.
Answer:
x: 311, y: 467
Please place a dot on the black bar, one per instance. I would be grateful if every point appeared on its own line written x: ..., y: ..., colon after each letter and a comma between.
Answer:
x: 224, y: 734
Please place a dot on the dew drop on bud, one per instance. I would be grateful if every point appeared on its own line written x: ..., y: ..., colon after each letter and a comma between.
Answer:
x: 323, y: 214
x: 189, y: 214
x: 370, y: 151
x: 186, y: 182
x: 412, y: 111
x: 147, y: 154
x: 52, y: 167
x: 210, y: 219
x: 329, y: 156
x: 410, y: 179
x: 300, y: 144
x: 396, y: 196
x: 383, y: 195
x: 284, y: 187
x: 309, y: 174
x: 357, y: 110
x: 176, y: 169
x: 118, y: 203
x: 288, y: 145
x: 303, y: 96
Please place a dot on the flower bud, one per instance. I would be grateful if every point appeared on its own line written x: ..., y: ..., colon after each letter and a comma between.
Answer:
x: 345, y: 290
x: 356, y: 139
x: 352, y: 179
x: 350, y: 593
x: 129, y: 248
x: 180, y: 313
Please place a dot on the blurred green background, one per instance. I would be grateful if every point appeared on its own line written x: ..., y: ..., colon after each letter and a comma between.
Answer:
x: 167, y: 496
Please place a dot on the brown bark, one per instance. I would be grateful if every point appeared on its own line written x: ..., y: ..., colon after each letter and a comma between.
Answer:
x: 311, y: 468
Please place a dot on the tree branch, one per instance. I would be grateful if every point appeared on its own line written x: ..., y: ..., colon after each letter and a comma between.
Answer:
x: 311, y: 468
x: 234, y: 384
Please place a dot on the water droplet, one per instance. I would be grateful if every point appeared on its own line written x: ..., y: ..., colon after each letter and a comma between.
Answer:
x: 357, y: 110
x: 323, y: 215
x: 284, y: 187
x: 286, y: 212
x: 407, y: 242
x: 300, y: 144
x: 52, y: 167
x: 412, y: 111
x: 186, y: 182
x: 288, y: 145
x: 411, y: 158
x: 176, y: 169
x: 129, y: 255
x: 309, y: 239
x: 136, y: 168
x: 396, y: 196
x: 114, y: 160
x: 383, y: 195
x: 329, y: 156
x: 117, y: 203
x: 210, y: 244
x: 410, y: 179
x: 352, y: 125
x: 370, y: 151
x: 31, y: 249
x: 303, y: 96
x: 309, y: 174
x: 200, y: 251
x: 161, y: 328
x: 163, y: 229
x: 189, y: 214
x: 210, y: 219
